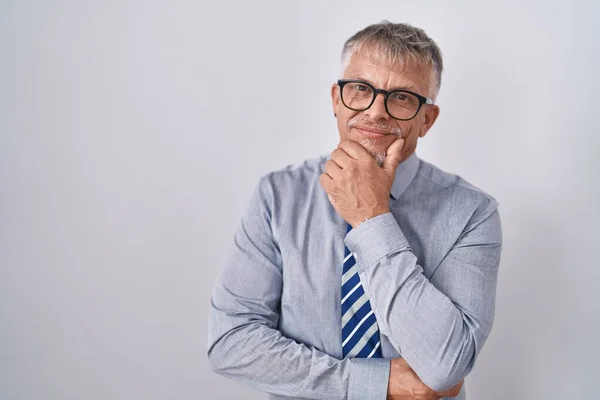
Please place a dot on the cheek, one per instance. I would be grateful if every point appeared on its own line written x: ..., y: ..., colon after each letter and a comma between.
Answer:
x: 407, y: 129
x: 342, y: 120
x: 342, y: 124
x: 411, y: 136
x: 411, y: 129
x: 413, y: 142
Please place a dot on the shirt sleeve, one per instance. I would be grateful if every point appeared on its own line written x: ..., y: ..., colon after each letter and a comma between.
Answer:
x: 244, y: 343
x: 438, y: 325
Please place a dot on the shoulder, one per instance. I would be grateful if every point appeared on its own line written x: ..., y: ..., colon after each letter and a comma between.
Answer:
x: 294, y: 177
x: 454, y: 189
x: 285, y: 189
x: 434, y: 178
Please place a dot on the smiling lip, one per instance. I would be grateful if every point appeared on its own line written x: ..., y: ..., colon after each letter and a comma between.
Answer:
x: 372, y: 133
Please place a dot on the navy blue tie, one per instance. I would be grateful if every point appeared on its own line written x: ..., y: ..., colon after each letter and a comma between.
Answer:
x: 360, y: 333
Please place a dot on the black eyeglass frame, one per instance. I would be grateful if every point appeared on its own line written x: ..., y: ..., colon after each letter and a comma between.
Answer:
x: 422, y: 99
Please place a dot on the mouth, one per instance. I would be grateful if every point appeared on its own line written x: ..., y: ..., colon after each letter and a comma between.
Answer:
x: 371, y: 132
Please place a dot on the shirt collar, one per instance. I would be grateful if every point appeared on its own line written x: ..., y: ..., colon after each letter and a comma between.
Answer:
x: 405, y: 173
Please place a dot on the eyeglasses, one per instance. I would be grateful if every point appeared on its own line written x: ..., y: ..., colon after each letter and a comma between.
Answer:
x: 400, y: 104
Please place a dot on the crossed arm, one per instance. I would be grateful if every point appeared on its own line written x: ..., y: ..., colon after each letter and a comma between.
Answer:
x: 437, y: 325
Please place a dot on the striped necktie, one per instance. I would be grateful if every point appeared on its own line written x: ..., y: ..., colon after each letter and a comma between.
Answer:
x: 360, y: 333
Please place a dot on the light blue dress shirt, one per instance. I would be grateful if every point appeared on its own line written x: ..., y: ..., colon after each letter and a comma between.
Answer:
x: 429, y: 268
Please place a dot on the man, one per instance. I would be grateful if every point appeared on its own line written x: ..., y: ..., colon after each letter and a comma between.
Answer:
x: 367, y: 273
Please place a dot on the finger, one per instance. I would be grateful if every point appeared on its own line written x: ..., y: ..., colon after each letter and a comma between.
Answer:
x: 393, y: 157
x: 341, y: 158
x: 355, y: 150
x: 325, y: 181
x: 332, y: 169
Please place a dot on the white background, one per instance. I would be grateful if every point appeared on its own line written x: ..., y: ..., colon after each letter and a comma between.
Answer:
x: 132, y: 134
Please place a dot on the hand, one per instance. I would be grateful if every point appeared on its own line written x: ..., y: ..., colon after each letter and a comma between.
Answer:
x: 356, y: 186
x: 404, y: 384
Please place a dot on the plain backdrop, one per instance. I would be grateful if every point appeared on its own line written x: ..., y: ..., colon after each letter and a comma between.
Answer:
x: 132, y: 134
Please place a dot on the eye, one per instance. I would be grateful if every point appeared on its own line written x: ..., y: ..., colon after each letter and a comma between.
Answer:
x: 400, y: 96
x: 360, y: 87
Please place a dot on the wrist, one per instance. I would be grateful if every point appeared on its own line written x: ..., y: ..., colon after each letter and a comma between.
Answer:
x: 366, y: 216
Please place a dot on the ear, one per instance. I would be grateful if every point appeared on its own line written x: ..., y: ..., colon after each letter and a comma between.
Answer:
x: 430, y: 115
x: 335, y: 98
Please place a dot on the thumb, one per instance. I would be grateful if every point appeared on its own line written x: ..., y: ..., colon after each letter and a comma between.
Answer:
x: 393, y: 156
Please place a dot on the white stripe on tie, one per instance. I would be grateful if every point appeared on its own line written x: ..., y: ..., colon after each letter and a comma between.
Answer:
x: 357, y: 326
x: 347, y: 257
x: 349, y: 274
x: 350, y: 292
x: 354, y: 309
x: 358, y: 347
x: 374, y: 349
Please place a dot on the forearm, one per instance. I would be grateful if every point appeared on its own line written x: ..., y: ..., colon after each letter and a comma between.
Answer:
x: 259, y: 356
x: 438, y: 332
x: 428, y: 330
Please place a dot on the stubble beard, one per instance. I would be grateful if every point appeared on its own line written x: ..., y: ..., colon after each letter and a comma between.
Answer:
x: 369, y: 143
x: 379, y: 156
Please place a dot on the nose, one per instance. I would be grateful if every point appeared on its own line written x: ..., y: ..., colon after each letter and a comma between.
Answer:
x: 377, y: 110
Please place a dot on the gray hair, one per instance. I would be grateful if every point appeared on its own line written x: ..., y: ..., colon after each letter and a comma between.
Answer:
x: 396, y: 45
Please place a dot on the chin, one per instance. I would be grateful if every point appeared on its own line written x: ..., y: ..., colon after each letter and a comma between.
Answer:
x: 379, y: 158
x: 374, y: 146
x: 379, y: 153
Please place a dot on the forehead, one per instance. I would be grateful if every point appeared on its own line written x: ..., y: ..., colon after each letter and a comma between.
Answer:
x: 406, y: 74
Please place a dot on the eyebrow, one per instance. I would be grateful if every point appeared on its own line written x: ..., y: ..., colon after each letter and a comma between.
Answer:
x: 362, y: 78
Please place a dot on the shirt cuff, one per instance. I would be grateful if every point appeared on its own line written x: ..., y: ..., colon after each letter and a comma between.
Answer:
x: 369, y: 379
x: 375, y: 238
